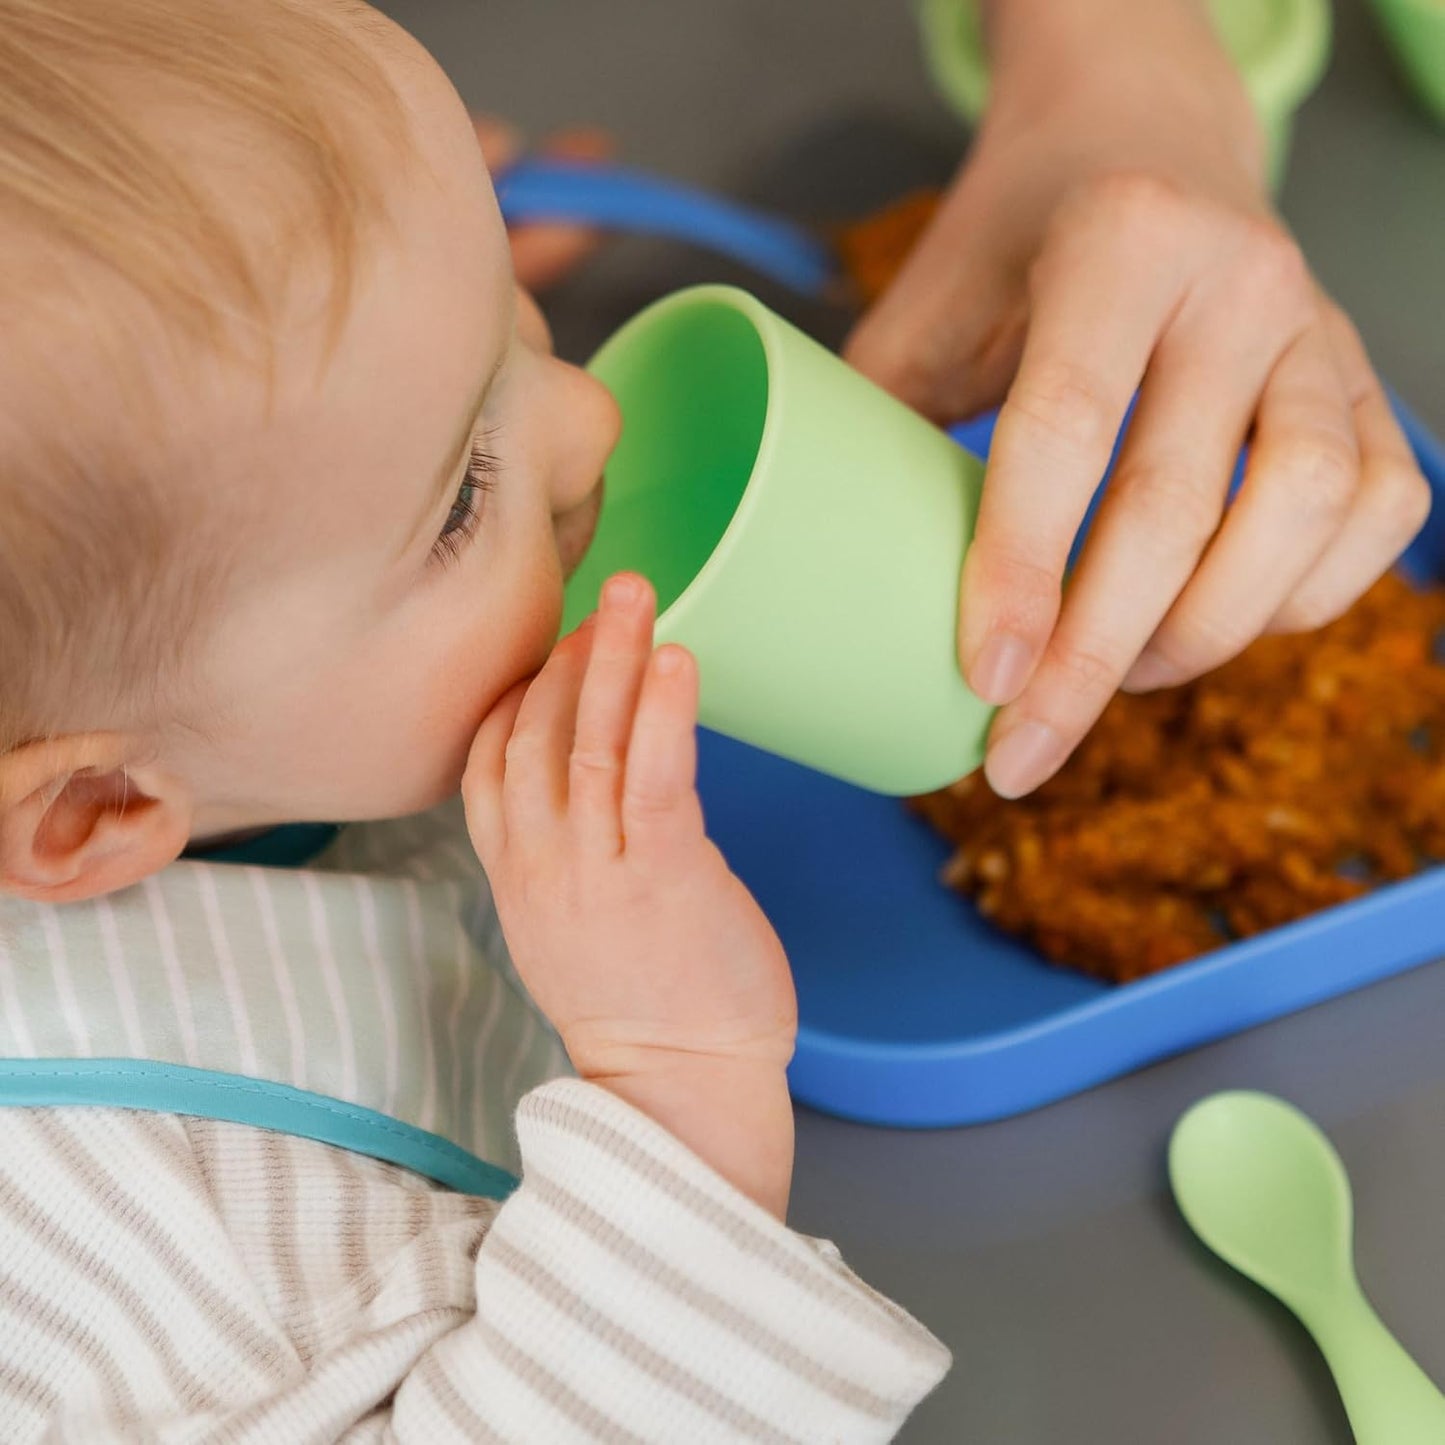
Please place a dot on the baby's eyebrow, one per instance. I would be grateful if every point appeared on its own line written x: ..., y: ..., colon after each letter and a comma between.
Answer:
x: 445, y: 478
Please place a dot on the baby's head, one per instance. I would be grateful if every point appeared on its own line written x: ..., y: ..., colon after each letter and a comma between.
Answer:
x: 289, y: 478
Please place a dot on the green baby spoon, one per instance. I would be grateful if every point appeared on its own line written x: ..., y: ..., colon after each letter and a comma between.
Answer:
x: 1265, y: 1190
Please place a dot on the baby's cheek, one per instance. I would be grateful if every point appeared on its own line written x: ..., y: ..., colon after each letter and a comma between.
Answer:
x: 485, y: 662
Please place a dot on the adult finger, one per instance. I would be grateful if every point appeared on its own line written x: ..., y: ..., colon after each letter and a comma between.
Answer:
x: 1390, y: 506
x: 1107, y: 283
x: 1299, y: 484
x: 605, y: 712
x: 946, y: 334
x: 1162, y: 507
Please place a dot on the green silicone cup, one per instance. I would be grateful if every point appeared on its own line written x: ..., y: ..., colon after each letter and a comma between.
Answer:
x: 805, y: 533
x: 1416, y: 29
x: 1280, y: 46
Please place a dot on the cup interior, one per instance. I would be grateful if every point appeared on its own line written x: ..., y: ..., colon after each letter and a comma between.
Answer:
x: 692, y: 382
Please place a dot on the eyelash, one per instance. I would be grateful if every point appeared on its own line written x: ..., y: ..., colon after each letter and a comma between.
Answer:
x: 461, y: 523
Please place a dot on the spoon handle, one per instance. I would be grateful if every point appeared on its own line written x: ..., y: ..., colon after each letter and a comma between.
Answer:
x: 1388, y: 1397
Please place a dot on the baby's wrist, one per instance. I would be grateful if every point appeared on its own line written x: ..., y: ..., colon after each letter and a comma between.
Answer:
x: 734, y: 1113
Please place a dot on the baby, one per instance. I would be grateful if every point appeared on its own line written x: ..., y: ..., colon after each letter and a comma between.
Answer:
x: 289, y: 484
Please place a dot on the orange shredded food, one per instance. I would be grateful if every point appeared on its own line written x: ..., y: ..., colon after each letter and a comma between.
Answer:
x: 872, y: 250
x: 1300, y: 775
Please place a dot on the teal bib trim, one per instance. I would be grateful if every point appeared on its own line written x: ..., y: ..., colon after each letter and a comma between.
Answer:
x: 176, y: 1089
x: 287, y: 846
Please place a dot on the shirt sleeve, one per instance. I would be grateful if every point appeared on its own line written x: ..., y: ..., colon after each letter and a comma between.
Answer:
x: 627, y: 1292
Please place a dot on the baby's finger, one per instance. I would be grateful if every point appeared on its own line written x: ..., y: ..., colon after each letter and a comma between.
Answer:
x: 1299, y: 484
x: 485, y: 774
x: 535, y: 786
x: 660, y: 803
x: 1390, y: 506
x: 1103, y: 290
x: 605, y: 711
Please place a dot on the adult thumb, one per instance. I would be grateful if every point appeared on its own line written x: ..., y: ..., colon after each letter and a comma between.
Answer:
x: 946, y: 333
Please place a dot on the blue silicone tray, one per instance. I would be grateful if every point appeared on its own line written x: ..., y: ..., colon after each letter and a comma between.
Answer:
x: 915, y: 1012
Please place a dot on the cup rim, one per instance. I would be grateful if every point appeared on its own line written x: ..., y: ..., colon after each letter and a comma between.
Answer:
x: 764, y: 325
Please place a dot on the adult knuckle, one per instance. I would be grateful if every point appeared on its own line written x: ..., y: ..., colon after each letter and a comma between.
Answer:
x: 1404, y: 499
x: 1344, y: 334
x: 1321, y: 471
x: 1027, y: 592
x: 595, y: 762
x: 1169, y: 507
x: 1144, y: 207
x: 521, y: 751
x: 1273, y: 260
x: 1064, y: 403
x: 1128, y: 212
x: 649, y: 804
x: 1085, y: 671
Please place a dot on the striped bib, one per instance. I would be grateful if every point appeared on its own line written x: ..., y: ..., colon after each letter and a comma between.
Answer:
x: 364, y: 999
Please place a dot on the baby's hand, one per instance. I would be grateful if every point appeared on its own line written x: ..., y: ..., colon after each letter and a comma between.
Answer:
x: 663, y: 977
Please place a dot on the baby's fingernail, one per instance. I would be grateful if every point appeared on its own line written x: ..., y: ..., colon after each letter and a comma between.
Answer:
x: 1003, y: 668
x: 622, y: 590
x: 1023, y: 758
x: 669, y: 661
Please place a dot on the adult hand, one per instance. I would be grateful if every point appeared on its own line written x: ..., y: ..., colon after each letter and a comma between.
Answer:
x: 1110, y: 234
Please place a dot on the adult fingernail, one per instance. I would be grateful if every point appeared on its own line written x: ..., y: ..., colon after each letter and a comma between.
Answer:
x: 1003, y: 668
x: 1023, y: 758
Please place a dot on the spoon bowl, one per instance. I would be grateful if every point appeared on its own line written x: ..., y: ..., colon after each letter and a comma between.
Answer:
x: 1261, y: 1186
x: 1266, y: 1191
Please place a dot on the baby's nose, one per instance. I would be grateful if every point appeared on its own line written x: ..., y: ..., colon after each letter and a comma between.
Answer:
x: 532, y: 325
x: 586, y: 439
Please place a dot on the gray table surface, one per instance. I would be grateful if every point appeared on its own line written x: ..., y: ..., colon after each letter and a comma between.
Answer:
x: 1044, y: 1250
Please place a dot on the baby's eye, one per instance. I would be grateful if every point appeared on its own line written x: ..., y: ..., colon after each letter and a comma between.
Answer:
x: 461, y: 523
x: 464, y: 510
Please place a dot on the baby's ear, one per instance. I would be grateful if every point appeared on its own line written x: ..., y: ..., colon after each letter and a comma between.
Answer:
x: 79, y: 817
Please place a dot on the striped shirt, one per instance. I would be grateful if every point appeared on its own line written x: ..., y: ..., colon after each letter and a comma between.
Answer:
x: 173, y: 1278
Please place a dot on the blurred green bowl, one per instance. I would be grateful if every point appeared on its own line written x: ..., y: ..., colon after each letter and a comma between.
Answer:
x: 1280, y: 46
x: 1416, y: 29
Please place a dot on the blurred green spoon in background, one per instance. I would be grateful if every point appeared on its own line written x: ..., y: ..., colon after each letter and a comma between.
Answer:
x: 1265, y: 1190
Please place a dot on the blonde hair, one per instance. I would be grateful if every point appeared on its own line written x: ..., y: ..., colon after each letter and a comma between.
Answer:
x: 101, y: 186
